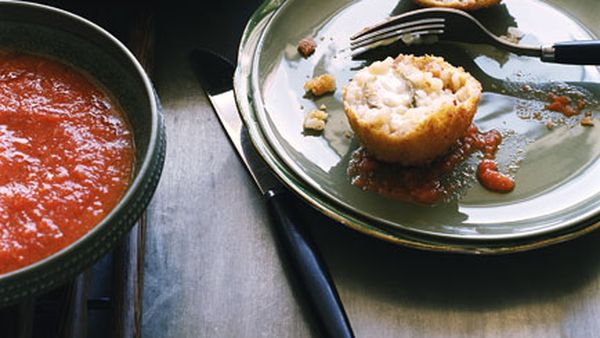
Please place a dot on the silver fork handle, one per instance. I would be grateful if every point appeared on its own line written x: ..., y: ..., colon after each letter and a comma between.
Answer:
x: 585, y: 52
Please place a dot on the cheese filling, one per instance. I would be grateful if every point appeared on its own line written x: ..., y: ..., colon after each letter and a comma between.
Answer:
x: 397, y: 96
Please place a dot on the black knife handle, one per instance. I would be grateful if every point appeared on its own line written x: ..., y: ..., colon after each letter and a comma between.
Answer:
x: 586, y: 52
x: 308, y: 266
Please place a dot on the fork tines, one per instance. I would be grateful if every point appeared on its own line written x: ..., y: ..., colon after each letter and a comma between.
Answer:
x: 395, y: 29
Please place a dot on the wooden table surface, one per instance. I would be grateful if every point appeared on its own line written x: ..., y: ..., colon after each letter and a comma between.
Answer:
x: 213, y: 269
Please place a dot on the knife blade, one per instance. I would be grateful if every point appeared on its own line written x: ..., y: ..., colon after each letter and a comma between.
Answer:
x: 216, y: 77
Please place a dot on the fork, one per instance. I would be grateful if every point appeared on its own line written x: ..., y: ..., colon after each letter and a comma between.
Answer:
x: 458, y: 26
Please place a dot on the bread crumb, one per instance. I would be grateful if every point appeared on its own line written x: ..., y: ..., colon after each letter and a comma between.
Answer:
x: 320, y: 85
x: 323, y: 107
x: 513, y: 35
x: 587, y: 122
x: 588, y: 113
x: 550, y: 125
x: 306, y: 47
x: 315, y: 120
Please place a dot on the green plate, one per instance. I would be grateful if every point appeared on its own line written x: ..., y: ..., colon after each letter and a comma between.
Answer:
x: 556, y: 194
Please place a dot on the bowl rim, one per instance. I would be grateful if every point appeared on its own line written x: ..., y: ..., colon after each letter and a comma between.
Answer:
x: 151, y: 149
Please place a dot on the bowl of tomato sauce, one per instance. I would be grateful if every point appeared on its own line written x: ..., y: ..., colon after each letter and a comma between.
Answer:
x: 82, y: 146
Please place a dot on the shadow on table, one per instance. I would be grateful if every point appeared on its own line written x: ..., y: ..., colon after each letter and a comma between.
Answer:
x: 453, y: 281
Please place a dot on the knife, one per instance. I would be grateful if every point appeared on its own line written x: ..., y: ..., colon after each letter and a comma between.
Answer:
x: 216, y: 76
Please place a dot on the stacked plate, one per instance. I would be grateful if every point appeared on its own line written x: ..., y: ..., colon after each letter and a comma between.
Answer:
x: 557, y: 194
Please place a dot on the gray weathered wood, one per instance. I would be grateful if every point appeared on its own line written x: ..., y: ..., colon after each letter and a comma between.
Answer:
x: 211, y: 267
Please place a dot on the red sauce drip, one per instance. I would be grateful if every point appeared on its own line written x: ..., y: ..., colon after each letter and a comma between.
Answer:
x: 66, y: 157
x: 492, y: 179
x: 424, y: 185
x: 562, y: 104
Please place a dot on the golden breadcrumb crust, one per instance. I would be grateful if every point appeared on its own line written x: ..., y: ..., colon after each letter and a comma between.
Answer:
x: 321, y: 85
x: 465, y: 5
x: 430, y: 138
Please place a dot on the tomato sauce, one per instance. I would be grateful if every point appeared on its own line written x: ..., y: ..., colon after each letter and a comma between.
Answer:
x: 563, y: 104
x: 424, y: 185
x: 492, y: 179
x: 66, y: 157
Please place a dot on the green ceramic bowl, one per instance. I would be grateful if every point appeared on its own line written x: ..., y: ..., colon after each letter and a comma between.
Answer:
x: 74, y: 40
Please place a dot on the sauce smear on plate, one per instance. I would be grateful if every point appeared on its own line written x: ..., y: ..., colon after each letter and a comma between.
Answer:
x: 424, y: 185
x: 66, y: 157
